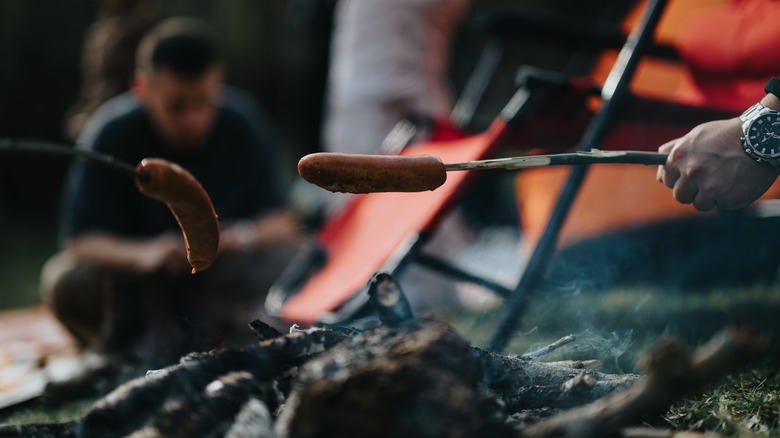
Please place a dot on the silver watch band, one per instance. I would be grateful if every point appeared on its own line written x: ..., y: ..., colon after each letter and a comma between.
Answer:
x: 750, y: 112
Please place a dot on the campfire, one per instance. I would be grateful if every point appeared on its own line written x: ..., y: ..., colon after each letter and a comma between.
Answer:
x: 404, y: 377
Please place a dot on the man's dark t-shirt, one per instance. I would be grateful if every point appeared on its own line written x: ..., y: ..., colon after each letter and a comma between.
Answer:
x: 236, y: 166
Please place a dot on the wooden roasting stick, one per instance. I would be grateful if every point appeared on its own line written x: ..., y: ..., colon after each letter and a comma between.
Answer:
x: 355, y: 173
x: 159, y: 179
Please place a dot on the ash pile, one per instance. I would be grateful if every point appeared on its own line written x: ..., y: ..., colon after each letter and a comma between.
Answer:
x: 404, y: 378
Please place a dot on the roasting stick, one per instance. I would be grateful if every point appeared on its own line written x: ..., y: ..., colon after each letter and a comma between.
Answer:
x: 594, y: 156
x: 35, y: 147
x: 356, y: 173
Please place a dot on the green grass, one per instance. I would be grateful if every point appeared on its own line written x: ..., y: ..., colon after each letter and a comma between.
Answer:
x: 744, y: 405
x: 23, y: 250
x: 39, y: 413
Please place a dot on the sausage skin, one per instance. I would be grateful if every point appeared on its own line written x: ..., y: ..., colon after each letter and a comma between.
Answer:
x: 190, y: 204
x: 356, y: 173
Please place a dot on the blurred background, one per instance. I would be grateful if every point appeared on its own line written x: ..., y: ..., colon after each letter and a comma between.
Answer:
x: 278, y: 50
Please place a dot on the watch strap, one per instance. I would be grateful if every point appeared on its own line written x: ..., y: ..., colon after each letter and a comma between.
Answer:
x: 751, y: 112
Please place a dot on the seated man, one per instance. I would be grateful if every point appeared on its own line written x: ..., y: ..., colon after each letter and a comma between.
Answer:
x: 121, y: 284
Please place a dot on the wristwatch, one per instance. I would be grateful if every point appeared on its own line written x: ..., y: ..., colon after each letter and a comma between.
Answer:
x: 761, y: 134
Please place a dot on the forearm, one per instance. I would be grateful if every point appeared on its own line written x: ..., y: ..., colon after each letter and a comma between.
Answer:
x: 107, y: 249
x: 111, y: 250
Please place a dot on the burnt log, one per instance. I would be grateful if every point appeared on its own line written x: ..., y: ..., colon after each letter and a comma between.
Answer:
x: 419, y: 379
x: 263, y: 331
x: 253, y: 421
x: 422, y: 379
x: 389, y: 300
x: 527, y: 384
x: 672, y: 374
x: 136, y: 403
x: 213, y: 411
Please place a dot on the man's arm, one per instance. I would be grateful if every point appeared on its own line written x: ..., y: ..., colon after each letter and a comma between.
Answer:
x: 267, y: 229
x: 96, y: 208
x: 164, y: 252
x: 709, y: 167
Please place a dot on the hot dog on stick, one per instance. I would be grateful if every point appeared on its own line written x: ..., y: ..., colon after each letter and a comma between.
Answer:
x: 356, y: 173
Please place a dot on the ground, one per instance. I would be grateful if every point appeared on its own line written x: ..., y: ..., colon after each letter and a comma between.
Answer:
x: 614, y: 326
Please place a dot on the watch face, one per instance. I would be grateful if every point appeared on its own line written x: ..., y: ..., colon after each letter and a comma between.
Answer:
x: 764, y: 134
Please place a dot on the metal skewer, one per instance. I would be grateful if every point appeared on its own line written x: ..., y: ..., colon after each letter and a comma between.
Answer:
x: 593, y: 156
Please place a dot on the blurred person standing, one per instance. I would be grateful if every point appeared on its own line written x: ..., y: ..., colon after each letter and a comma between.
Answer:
x: 121, y: 284
x: 388, y: 61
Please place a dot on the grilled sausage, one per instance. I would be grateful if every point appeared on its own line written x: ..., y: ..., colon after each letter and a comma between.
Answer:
x: 354, y: 173
x: 190, y: 204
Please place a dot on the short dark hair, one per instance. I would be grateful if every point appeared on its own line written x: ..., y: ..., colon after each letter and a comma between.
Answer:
x: 186, y: 46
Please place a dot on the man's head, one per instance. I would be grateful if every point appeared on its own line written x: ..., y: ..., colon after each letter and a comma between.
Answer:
x: 178, y: 79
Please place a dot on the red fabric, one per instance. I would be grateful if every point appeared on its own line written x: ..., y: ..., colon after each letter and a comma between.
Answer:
x: 741, y: 39
x: 732, y: 51
x: 444, y: 130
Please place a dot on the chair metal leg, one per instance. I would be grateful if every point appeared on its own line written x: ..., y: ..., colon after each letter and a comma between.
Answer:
x: 614, y: 94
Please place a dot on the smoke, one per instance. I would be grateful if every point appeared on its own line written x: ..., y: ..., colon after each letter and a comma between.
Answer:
x: 613, y: 346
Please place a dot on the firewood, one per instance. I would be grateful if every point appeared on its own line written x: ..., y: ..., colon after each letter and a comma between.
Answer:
x: 523, y: 384
x: 533, y: 355
x: 671, y: 374
x: 406, y: 378
x: 134, y: 404
x: 263, y: 331
x: 211, y: 412
x: 389, y: 300
x: 376, y: 384
x: 417, y: 379
x: 253, y: 421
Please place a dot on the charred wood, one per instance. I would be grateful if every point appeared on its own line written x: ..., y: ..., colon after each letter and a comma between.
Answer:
x: 410, y: 378
x: 524, y: 384
x: 389, y: 300
x: 566, y: 340
x: 56, y: 430
x: 253, y: 421
x: 134, y: 403
x: 263, y: 331
x: 672, y: 374
x: 213, y: 411
x: 419, y: 379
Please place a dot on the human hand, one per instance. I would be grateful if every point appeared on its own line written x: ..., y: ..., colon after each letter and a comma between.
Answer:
x: 278, y: 226
x: 709, y: 168
x: 270, y: 228
x: 164, y: 252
